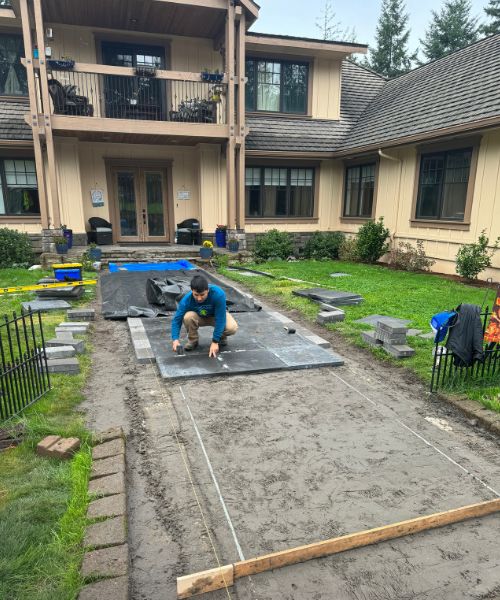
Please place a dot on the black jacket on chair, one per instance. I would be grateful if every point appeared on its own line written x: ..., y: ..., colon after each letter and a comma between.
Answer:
x: 465, y: 338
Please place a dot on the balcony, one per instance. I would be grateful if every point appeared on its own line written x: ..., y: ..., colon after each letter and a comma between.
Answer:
x: 96, y: 102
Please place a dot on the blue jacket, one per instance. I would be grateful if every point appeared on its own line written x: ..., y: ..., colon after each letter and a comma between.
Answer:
x: 213, y: 306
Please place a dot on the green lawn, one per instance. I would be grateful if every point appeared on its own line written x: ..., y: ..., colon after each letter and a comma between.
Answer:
x: 414, y: 296
x: 43, y: 502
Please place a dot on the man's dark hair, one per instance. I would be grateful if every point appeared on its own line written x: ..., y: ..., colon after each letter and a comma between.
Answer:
x: 199, y: 284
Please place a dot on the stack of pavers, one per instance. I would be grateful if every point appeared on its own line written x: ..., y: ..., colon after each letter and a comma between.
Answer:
x: 391, y: 336
x: 329, y: 301
x: 61, y: 351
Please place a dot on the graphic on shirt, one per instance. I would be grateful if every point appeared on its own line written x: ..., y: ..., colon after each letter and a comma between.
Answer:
x: 203, y: 312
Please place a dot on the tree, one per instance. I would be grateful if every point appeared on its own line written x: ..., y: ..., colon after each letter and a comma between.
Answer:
x: 451, y: 28
x: 330, y: 28
x: 493, y: 12
x: 391, y: 57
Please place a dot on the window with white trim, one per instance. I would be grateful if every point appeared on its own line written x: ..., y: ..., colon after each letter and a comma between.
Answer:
x: 18, y: 187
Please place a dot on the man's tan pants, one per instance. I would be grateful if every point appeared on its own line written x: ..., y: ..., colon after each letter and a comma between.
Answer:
x: 192, y: 322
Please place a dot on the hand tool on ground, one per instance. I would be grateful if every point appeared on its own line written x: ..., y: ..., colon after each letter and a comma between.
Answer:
x: 289, y: 329
x: 180, y: 350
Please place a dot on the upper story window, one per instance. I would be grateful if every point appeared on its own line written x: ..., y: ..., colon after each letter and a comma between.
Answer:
x: 359, y: 191
x: 276, y: 86
x: 13, y: 81
x: 443, y: 185
x: 18, y: 187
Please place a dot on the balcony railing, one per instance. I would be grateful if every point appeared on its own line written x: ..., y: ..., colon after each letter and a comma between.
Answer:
x: 137, y: 97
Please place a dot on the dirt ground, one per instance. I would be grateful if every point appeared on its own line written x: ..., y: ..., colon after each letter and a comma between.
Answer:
x: 299, y: 457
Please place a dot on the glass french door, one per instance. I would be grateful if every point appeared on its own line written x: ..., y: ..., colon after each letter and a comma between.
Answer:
x: 140, y: 205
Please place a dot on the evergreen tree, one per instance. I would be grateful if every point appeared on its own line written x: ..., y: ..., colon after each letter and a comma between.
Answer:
x: 493, y: 12
x: 330, y: 28
x: 391, y: 57
x: 450, y: 29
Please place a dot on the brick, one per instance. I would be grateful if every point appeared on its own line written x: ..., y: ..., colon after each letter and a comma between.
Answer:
x: 111, y: 532
x: 333, y: 316
x: 108, y: 485
x: 369, y: 338
x: 78, y: 345
x: 60, y: 352
x: 43, y: 447
x: 65, y: 447
x: 111, y: 589
x: 110, y: 506
x: 108, y: 562
x: 68, y: 366
x: 399, y: 351
x: 83, y: 314
x: 107, y: 466
x: 107, y: 435
x: 111, y: 448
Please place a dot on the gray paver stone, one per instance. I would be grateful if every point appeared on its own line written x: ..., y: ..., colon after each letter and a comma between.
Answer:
x: 319, y: 341
x: 72, y: 330
x: 108, y: 485
x: 108, y: 562
x: 108, y: 466
x: 428, y: 336
x: 399, y: 351
x: 369, y: 338
x: 110, y: 589
x: 78, y: 345
x: 107, y: 435
x: 111, y: 532
x: 73, y: 324
x: 81, y: 314
x: 46, y: 305
x: 60, y: 352
x: 68, y: 366
x: 413, y: 332
x: 390, y: 338
x: 64, y: 335
x: 112, y: 448
x: 110, y: 506
x: 392, y: 326
x: 333, y: 316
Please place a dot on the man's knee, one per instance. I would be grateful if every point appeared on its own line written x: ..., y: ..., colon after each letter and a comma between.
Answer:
x: 231, y: 326
x: 190, y: 318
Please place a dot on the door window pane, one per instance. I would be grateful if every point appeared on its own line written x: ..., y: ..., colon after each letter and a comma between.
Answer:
x: 154, y: 201
x: 127, y: 203
x: 359, y: 191
x: 301, y: 192
x: 268, y: 86
x: 13, y: 81
x: 252, y: 192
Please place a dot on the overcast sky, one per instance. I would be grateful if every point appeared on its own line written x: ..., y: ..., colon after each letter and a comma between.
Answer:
x: 298, y: 17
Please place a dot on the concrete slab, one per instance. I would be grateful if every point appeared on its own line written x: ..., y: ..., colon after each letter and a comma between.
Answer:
x: 142, y: 346
x: 335, y: 297
x: 107, y: 435
x: 107, y: 466
x: 111, y: 589
x: 372, y: 320
x: 108, y: 486
x: 107, y: 449
x: 331, y: 316
x: 111, y: 532
x: 64, y: 335
x: 60, y: 352
x: 110, y: 506
x: 428, y: 336
x: 370, y: 338
x: 70, y: 330
x: 46, y: 305
x: 73, y: 324
x: 68, y: 366
x: 335, y: 275
x: 413, y: 332
x: 82, y: 314
x: 78, y: 345
x: 399, y: 351
x: 109, y: 562
x: 317, y: 340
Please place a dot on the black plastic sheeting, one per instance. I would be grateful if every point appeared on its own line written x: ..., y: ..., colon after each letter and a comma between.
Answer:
x: 125, y: 293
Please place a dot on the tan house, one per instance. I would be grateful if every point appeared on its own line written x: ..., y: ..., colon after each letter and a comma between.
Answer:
x: 149, y: 112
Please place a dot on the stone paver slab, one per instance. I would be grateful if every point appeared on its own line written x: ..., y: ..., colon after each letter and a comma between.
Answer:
x: 107, y: 435
x: 68, y: 366
x: 110, y: 589
x: 108, y: 485
x: 111, y: 532
x: 60, y: 352
x: 108, y: 562
x: 108, y: 466
x: 110, y: 506
x: 107, y: 449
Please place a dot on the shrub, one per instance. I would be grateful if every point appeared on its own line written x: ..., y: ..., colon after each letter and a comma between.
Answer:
x: 372, y: 241
x: 474, y: 258
x: 349, y: 250
x: 324, y: 245
x: 408, y: 258
x: 273, y: 244
x: 15, y: 249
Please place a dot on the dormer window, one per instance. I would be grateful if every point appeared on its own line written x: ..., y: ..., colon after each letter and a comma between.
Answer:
x: 276, y: 86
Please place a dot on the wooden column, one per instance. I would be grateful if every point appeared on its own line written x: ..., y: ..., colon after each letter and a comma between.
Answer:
x: 240, y: 117
x: 35, y: 126
x: 231, y: 143
x: 46, y: 108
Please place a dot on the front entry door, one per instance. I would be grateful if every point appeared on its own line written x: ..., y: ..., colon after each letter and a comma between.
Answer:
x: 140, y: 205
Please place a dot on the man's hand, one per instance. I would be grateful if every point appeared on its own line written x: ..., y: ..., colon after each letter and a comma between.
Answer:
x: 214, y: 348
x: 175, y: 345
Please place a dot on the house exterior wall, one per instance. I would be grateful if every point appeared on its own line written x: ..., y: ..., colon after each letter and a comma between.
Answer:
x: 326, y: 86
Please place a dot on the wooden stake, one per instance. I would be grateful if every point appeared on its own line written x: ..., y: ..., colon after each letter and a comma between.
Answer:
x: 196, y: 584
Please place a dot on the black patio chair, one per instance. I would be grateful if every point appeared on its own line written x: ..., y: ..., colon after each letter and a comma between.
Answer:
x: 101, y: 232
x: 67, y: 101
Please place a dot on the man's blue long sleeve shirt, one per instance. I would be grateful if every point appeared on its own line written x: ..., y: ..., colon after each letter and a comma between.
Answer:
x: 213, y: 306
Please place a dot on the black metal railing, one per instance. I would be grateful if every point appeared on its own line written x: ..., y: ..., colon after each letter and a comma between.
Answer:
x: 24, y: 376
x: 447, y: 374
x: 136, y: 97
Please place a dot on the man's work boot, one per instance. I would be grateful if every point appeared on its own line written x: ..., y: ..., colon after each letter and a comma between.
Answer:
x: 191, y: 345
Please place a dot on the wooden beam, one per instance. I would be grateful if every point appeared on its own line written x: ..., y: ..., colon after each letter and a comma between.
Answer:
x: 240, y: 120
x: 208, y: 581
x: 216, y: 4
x: 7, y: 13
x: 132, y: 126
x: 282, y: 43
x: 33, y: 120
x: 285, y: 558
x: 231, y: 146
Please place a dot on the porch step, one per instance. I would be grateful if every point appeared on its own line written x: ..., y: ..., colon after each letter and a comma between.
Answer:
x: 158, y: 254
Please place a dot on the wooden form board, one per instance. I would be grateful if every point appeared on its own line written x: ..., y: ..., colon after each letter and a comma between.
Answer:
x: 223, y: 577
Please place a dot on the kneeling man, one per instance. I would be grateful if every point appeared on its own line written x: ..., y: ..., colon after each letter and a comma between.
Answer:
x: 204, y: 306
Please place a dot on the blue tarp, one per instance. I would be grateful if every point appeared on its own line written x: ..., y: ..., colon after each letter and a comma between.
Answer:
x: 178, y: 265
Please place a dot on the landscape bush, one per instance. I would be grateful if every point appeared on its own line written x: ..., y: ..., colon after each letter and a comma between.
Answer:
x: 371, y: 241
x: 15, y: 249
x: 348, y: 250
x: 408, y: 258
x: 273, y: 244
x: 476, y: 257
x: 324, y: 245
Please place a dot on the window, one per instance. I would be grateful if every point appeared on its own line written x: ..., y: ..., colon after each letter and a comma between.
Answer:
x: 443, y: 184
x: 13, y: 81
x: 279, y: 192
x: 276, y: 86
x: 18, y: 187
x: 359, y: 191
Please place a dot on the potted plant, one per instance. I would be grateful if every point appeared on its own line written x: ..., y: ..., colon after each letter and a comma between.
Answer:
x: 68, y: 234
x: 221, y: 236
x: 207, y: 249
x: 61, y: 244
x: 233, y: 245
x: 95, y: 253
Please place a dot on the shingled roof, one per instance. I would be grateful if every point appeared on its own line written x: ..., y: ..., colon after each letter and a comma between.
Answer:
x: 359, y: 87
x: 12, y: 123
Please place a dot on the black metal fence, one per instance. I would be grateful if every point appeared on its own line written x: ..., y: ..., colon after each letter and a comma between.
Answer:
x: 446, y: 374
x: 24, y: 376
